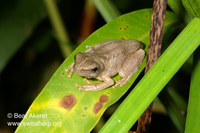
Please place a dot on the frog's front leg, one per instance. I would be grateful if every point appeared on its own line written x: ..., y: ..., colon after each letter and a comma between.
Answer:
x: 129, y: 67
x: 107, y: 82
x: 71, y: 69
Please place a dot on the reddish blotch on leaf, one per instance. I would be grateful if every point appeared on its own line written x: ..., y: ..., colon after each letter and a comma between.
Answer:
x: 68, y: 101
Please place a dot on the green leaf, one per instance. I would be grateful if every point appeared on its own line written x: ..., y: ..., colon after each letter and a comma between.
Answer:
x: 155, y: 79
x: 193, y: 114
x: 192, y: 6
x: 177, y: 7
x: 16, y: 25
x: 79, y: 111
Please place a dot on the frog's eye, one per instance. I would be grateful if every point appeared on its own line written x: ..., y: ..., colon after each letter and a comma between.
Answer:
x: 95, y: 69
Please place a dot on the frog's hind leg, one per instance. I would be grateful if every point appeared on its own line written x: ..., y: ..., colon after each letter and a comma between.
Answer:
x: 130, y: 67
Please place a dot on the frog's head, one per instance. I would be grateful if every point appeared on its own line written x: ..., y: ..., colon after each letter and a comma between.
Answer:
x: 87, y: 66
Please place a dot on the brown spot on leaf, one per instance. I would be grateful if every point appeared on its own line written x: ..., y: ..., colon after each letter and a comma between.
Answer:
x: 120, y: 28
x: 84, y: 115
x: 97, y: 107
x: 68, y: 102
x: 103, y: 99
x: 63, y: 73
x: 123, y: 38
x: 127, y: 26
x: 122, y: 19
x: 85, y: 108
x: 146, y: 16
x: 127, y: 36
x: 124, y: 28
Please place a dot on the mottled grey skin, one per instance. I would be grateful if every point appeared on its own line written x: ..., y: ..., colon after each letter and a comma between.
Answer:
x: 106, y: 59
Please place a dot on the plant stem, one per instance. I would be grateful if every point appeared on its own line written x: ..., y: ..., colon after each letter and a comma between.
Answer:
x: 154, y: 50
x: 107, y: 9
x: 59, y: 27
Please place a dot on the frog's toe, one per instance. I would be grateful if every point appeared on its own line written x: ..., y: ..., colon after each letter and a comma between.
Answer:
x: 120, y: 82
x: 77, y: 85
x: 67, y: 70
x: 80, y: 87
x: 69, y: 75
x: 115, y: 85
x: 87, y: 81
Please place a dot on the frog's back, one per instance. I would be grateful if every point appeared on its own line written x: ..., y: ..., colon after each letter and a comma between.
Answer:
x: 117, y: 46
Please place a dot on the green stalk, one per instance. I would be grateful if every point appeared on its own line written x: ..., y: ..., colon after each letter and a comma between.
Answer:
x: 192, y: 6
x: 173, y: 107
x: 155, y: 80
x: 178, y: 8
x: 193, y: 114
x: 59, y: 27
x: 107, y: 9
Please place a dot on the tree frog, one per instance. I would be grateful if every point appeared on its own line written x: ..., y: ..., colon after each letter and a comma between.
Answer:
x: 105, y: 60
